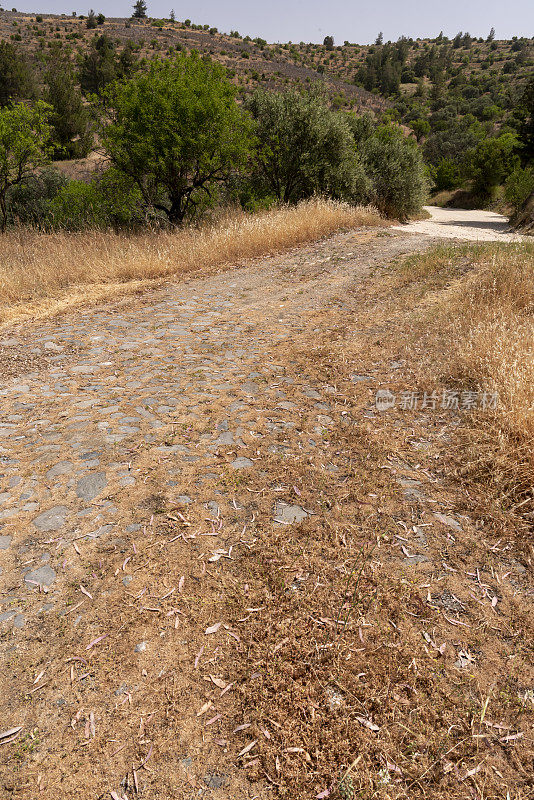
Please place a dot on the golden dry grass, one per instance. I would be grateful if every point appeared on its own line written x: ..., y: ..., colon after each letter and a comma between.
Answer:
x: 479, y: 301
x: 42, y: 273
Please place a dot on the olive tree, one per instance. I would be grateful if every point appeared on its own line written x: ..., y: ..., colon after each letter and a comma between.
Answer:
x: 177, y: 131
x: 304, y: 148
x: 394, y: 165
x: 24, y: 146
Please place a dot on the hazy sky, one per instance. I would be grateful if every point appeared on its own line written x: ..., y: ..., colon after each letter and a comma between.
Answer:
x: 311, y: 20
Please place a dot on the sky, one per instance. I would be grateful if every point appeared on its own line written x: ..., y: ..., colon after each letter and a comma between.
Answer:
x: 311, y: 20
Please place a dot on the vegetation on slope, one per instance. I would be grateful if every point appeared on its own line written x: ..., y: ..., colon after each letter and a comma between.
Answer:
x: 467, y: 100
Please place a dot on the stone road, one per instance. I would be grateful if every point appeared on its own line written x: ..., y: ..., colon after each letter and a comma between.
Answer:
x: 167, y: 398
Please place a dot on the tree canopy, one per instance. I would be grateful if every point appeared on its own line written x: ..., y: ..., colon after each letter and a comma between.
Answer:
x: 24, y: 146
x: 16, y: 78
x: 304, y: 148
x: 176, y: 130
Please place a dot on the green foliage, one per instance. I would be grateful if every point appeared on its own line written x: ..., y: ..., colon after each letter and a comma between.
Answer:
x: 139, y: 9
x: 102, y: 64
x: 304, y: 148
x: 91, y: 20
x: 491, y: 163
x: 69, y: 118
x: 421, y: 127
x: 110, y: 200
x: 176, y: 131
x: 30, y: 202
x: 519, y: 186
x: 395, y: 167
x: 446, y: 175
x: 16, y: 79
x: 452, y: 138
x: 24, y: 146
x: 525, y: 113
x: 383, y: 67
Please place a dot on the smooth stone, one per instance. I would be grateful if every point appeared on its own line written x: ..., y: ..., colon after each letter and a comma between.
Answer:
x: 14, y: 614
x: 227, y: 437
x: 90, y: 486
x: 61, y: 468
x: 140, y: 648
x: 288, y: 514
x: 241, y: 463
x: 44, y: 576
x: 51, y: 520
x: 5, y: 541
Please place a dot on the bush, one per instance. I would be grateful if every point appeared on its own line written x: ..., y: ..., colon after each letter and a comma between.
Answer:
x: 108, y: 201
x: 491, y: 163
x: 304, y: 149
x: 395, y: 167
x: 31, y: 203
x: 446, y: 175
x: 519, y: 186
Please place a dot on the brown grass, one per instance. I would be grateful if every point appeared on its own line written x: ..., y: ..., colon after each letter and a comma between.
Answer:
x: 43, y: 273
x: 480, y: 302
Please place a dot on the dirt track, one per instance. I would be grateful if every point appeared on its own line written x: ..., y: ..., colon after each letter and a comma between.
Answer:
x: 459, y: 223
x: 130, y: 455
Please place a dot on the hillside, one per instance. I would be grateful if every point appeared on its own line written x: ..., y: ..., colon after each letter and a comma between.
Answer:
x: 410, y: 79
x: 249, y: 63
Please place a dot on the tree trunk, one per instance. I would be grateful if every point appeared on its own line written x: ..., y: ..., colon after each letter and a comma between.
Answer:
x: 3, y: 212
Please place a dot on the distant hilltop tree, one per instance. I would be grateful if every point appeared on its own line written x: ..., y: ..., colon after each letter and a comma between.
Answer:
x: 139, y: 9
x: 91, y: 20
x: 491, y: 35
x: 328, y: 42
x: 172, y: 16
x: 380, y: 38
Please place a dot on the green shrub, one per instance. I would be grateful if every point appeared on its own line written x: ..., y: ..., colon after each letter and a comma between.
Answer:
x: 395, y: 167
x: 304, y: 148
x: 519, y: 186
x: 446, y: 175
x: 107, y: 201
x: 492, y: 162
x: 31, y: 202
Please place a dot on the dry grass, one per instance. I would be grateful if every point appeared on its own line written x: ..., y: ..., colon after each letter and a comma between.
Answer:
x: 343, y: 655
x: 481, y: 303
x: 45, y: 273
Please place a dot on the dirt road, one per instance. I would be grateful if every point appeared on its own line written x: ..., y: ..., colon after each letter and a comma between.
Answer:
x: 459, y: 223
x: 142, y: 449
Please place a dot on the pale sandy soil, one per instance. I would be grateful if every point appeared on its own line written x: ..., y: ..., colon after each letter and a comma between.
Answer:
x: 459, y: 223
